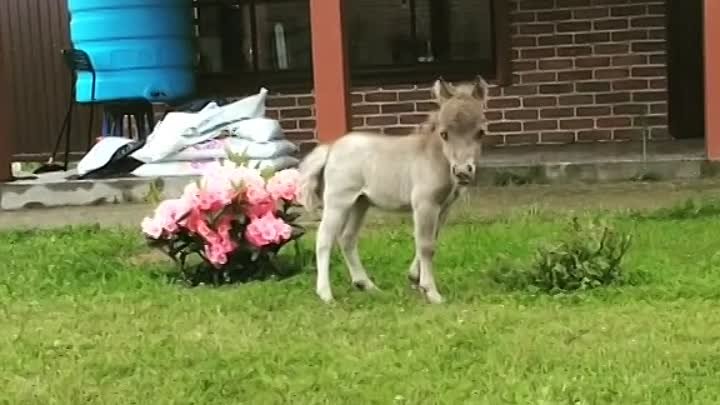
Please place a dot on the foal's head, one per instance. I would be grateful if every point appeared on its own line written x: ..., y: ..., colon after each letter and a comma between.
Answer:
x: 461, y: 124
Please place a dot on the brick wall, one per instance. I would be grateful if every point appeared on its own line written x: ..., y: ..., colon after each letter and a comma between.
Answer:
x: 583, y: 71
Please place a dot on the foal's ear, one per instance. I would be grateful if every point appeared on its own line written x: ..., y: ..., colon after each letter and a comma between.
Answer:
x: 480, y: 88
x: 442, y: 89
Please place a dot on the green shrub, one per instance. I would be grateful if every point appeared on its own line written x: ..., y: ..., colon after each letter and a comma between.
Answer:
x: 588, y: 257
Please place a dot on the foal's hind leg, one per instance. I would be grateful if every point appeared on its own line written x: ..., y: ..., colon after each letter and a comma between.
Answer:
x: 333, y: 218
x: 348, y: 242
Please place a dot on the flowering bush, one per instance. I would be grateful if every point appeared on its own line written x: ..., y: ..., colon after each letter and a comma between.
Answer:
x: 234, y: 218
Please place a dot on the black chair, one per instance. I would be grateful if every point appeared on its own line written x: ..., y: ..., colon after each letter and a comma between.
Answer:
x: 114, y: 111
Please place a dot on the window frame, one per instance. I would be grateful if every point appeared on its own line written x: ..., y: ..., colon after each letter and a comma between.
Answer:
x: 497, y: 71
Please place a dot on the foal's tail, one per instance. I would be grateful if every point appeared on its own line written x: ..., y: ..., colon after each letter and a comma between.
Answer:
x: 311, y: 170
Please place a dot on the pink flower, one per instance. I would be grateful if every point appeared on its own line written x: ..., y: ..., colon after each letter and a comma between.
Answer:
x: 284, y: 185
x: 266, y: 230
x: 216, y: 255
x: 151, y: 228
x: 260, y: 209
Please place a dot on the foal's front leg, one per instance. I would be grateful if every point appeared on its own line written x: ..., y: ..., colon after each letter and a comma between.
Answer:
x: 426, y: 218
x: 414, y: 273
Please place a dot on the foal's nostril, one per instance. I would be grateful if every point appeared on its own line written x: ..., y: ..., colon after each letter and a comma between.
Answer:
x: 470, y: 169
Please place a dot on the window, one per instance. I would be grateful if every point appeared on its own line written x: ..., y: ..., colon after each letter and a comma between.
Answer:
x: 253, y: 42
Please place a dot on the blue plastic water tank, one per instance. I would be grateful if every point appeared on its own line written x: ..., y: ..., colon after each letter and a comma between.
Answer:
x: 139, y: 48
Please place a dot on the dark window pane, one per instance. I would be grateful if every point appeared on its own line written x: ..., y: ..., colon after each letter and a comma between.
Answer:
x: 471, y: 30
x: 228, y: 34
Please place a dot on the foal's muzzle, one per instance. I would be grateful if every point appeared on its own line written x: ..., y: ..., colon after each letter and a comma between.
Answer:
x: 464, y: 174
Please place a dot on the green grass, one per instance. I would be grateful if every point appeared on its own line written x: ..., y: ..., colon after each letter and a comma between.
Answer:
x: 87, y: 318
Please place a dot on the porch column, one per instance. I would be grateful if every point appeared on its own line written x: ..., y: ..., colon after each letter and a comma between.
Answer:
x: 330, y: 69
x: 7, y: 128
x: 711, y: 38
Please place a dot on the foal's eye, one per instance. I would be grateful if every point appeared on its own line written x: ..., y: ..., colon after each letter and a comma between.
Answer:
x: 444, y: 135
x: 479, y: 134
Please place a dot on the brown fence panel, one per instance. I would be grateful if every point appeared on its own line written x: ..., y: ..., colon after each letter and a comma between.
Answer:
x: 32, y: 34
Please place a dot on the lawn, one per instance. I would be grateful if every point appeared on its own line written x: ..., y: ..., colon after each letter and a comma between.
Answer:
x: 89, y: 317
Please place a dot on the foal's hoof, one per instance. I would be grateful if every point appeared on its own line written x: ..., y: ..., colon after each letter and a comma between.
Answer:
x: 325, y: 296
x: 414, y: 280
x: 433, y: 297
x: 365, y: 285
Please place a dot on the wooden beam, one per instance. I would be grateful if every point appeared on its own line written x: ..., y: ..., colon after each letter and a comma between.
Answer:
x: 330, y: 70
x: 7, y: 128
x: 711, y: 40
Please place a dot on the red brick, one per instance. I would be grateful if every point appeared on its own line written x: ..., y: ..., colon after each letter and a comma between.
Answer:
x: 575, y: 75
x: 630, y: 109
x: 626, y: 11
x: 658, y: 84
x: 573, y: 3
x: 630, y: 84
x: 660, y: 108
x: 594, y: 135
x: 509, y: 102
x: 555, y: 39
x: 524, y: 90
x: 280, y: 101
x: 397, y: 108
x: 591, y: 13
x: 540, y: 125
x: 538, y: 77
x: 613, y: 122
x: 593, y: 111
x: 649, y: 71
x: 356, y: 98
x: 381, y: 120
x: 533, y: 29
x: 611, y: 49
x: 365, y: 109
x: 306, y: 124
x: 581, y: 123
x: 586, y: 87
x: 300, y: 135
x: 493, y: 115
x: 577, y: 99
x: 296, y: 113
x: 505, y: 127
x: 542, y: 101
x: 524, y: 42
x: 525, y: 65
x: 355, y: 122
x: 657, y: 9
x: 415, y: 95
x: 306, y: 100
x: 557, y: 112
x: 398, y: 130
x: 522, y: 139
x: 381, y: 96
x: 648, y: 46
x: 574, y: 51
x: 641, y: 22
x: 574, y: 26
x: 273, y: 114
x: 288, y: 124
x: 523, y: 17
x: 554, y: 16
x: 611, y: 98
x: 553, y: 64
x: 537, y: 53
x: 629, y: 60
x: 536, y: 4
x: 412, y: 119
x: 521, y: 114
x: 591, y: 38
x: 650, y: 121
x: 591, y: 62
x: 657, y: 34
x: 621, y: 36
x: 627, y: 134
x: 612, y: 73
x: 557, y: 88
x: 610, y: 24
x: 557, y: 137
x: 660, y: 59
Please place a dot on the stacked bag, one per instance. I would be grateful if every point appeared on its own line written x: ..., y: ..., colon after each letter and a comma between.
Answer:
x: 184, y: 143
